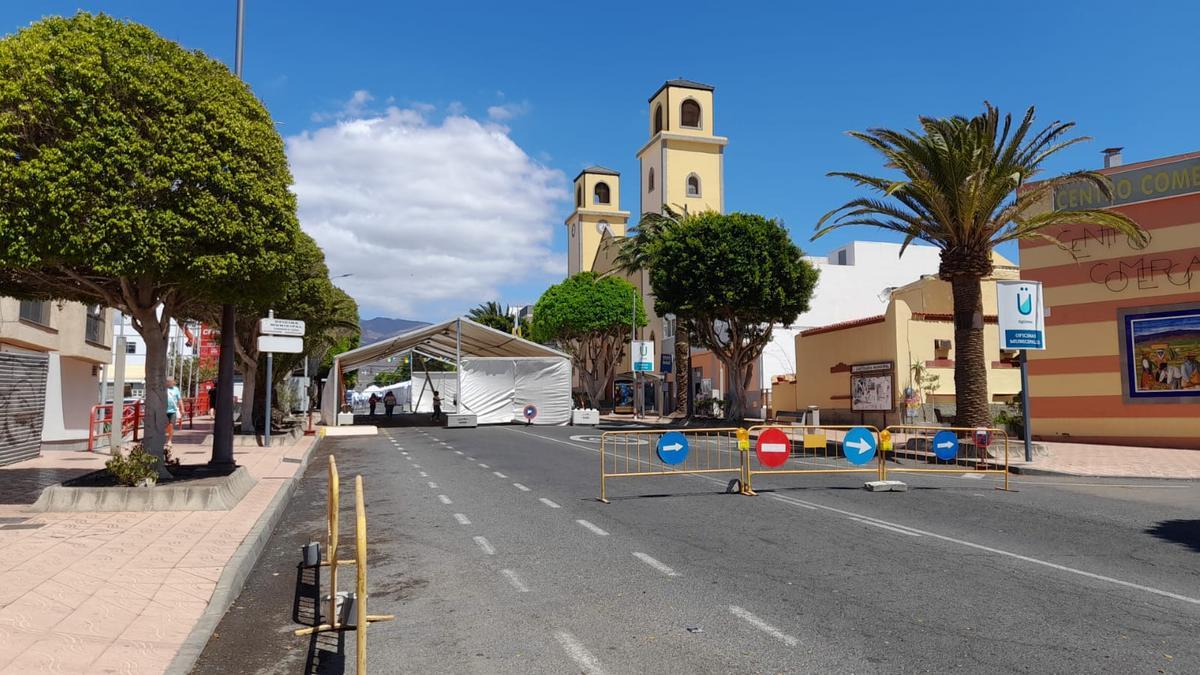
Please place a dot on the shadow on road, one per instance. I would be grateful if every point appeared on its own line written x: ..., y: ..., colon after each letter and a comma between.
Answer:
x: 1186, y: 532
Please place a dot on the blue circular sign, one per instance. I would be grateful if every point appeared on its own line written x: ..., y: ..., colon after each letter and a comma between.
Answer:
x: 945, y: 445
x: 530, y: 411
x: 672, y: 448
x: 859, y: 445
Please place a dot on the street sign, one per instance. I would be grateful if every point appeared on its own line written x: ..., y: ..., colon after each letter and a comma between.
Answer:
x: 1020, y: 314
x: 859, y: 445
x: 530, y: 412
x: 278, y: 344
x: 672, y: 448
x: 642, y: 352
x: 945, y: 445
x: 271, y: 326
x: 983, y: 437
x: 666, y: 362
x: 773, y: 448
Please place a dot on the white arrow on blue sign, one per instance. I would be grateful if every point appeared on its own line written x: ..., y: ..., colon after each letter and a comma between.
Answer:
x: 859, y: 445
x: 945, y: 445
x: 672, y: 448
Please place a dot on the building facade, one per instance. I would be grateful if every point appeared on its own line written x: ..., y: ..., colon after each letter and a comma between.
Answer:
x: 51, y: 357
x: 1122, y: 357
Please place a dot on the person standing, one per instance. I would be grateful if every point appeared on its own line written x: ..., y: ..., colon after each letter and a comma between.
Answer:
x: 437, y: 405
x: 174, y: 399
x: 389, y: 404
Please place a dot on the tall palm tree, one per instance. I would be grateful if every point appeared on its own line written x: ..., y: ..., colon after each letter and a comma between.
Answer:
x: 960, y: 189
x: 493, y: 315
x: 633, y: 258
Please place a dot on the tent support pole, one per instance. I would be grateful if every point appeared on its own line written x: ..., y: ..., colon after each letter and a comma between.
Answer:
x: 458, y: 406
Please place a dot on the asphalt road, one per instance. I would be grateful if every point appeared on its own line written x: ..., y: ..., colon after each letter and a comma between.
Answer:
x: 492, y: 550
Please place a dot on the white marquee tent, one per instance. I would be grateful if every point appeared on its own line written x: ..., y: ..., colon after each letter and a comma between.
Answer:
x: 498, y: 374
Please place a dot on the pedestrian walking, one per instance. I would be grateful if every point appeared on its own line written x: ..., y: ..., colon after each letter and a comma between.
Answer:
x: 373, y: 401
x: 389, y: 403
x: 174, y: 401
x: 437, y: 405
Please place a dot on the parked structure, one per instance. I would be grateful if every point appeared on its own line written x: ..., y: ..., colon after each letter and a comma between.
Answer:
x: 1122, y: 358
x: 51, y: 354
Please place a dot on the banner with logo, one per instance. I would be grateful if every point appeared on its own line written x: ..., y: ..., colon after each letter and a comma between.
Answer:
x: 1022, y: 316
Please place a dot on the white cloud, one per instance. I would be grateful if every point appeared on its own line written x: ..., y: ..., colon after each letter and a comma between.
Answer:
x: 508, y: 111
x: 430, y: 216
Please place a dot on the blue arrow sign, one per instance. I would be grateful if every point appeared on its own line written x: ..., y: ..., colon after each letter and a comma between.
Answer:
x: 859, y: 445
x: 672, y: 448
x: 945, y: 445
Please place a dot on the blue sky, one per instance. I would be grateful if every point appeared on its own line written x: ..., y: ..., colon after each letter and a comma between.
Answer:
x: 545, y: 88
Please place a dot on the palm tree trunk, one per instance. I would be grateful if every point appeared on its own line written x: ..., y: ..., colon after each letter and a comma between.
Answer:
x: 970, y: 369
x: 683, y: 370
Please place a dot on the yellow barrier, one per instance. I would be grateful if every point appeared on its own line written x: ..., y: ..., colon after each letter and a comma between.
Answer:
x: 814, y: 450
x: 920, y: 438
x: 362, y: 619
x: 629, y: 454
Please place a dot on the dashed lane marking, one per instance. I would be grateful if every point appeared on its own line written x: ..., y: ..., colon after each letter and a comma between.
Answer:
x: 763, y: 626
x: 497, y: 474
x: 655, y: 564
x: 549, y: 503
x: 433, y: 486
x: 444, y: 499
x: 592, y: 527
x: 485, y: 545
x: 579, y: 654
x: 462, y: 519
x: 520, y: 487
x: 515, y: 581
x: 484, y: 466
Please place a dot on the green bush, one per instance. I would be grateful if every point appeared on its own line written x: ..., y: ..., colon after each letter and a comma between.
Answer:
x: 133, y: 468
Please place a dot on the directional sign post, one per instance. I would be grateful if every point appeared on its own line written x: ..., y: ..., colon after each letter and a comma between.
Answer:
x: 773, y: 448
x: 530, y: 412
x: 859, y: 446
x: 672, y: 448
x: 945, y: 445
x: 273, y: 326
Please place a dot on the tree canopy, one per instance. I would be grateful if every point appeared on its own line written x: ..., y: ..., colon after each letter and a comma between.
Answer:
x: 137, y: 175
x: 493, y: 315
x: 960, y: 187
x: 590, y: 317
x: 730, y: 278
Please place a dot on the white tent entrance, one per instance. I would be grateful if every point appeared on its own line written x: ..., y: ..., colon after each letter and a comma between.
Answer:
x: 497, y: 374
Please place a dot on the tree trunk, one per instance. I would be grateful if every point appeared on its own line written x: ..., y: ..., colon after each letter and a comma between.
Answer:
x: 249, y: 388
x: 683, y: 371
x: 736, y: 395
x: 970, y: 369
x: 155, y: 336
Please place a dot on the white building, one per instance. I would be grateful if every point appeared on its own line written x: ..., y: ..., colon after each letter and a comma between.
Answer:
x: 182, y: 346
x: 856, y: 281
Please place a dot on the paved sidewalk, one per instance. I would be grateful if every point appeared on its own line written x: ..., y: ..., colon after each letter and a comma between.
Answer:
x: 119, y: 592
x: 1115, y: 461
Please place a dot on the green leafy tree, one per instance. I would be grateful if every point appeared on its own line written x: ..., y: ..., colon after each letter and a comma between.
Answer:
x: 729, y: 278
x: 136, y: 175
x: 589, y: 317
x: 958, y: 185
x: 493, y: 315
x: 927, y: 383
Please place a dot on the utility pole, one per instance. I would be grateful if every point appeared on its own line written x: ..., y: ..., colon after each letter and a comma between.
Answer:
x: 222, y: 452
x: 267, y: 424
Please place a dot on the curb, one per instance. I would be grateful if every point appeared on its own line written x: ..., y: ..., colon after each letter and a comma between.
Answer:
x: 1031, y: 471
x: 233, y: 577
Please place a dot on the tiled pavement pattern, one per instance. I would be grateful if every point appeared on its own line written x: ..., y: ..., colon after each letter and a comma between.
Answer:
x: 119, y: 592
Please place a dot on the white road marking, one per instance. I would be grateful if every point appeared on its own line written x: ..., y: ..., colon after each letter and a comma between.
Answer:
x: 579, y: 654
x: 462, y: 519
x: 497, y: 474
x: 520, y: 487
x: 942, y: 537
x: 886, y: 527
x: 655, y: 564
x: 471, y: 459
x: 433, y: 486
x: 458, y: 452
x: 549, y: 503
x: 485, y: 466
x: 976, y: 476
x: 515, y: 581
x: 592, y: 527
x: 485, y: 545
x: 763, y: 626
x: 444, y: 499
x: 416, y: 466
x: 793, y: 502
x: 423, y: 474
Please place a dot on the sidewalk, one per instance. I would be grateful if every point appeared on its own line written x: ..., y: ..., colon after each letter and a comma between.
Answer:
x: 119, y: 592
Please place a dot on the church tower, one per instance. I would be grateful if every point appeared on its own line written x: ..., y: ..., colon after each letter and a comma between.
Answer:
x: 597, y: 214
x: 683, y: 164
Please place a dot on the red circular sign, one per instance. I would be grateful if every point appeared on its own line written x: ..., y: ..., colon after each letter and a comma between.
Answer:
x: 773, y: 448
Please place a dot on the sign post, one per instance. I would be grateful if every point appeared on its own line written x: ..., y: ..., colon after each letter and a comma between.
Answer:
x: 1022, y: 321
x: 278, y: 335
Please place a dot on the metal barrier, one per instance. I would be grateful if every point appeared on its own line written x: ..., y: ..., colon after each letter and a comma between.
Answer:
x: 630, y: 454
x: 100, y: 423
x: 943, y: 449
x: 812, y: 449
x: 361, y: 618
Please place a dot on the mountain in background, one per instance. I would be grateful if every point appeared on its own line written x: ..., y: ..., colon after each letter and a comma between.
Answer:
x: 382, y: 328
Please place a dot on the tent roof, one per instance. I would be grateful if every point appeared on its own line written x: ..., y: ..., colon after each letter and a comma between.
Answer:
x: 438, y: 340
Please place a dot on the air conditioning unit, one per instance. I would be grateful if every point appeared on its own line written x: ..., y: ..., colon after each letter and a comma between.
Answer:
x: 941, y: 344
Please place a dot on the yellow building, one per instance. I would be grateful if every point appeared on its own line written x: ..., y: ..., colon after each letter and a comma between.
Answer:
x: 917, y: 328
x: 597, y: 214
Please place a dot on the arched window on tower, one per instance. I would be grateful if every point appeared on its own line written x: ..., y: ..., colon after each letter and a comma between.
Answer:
x: 650, y: 180
x: 578, y: 196
x: 601, y: 194
x: 658, y: 121
x: 693, y: 185
x: 689, y: 114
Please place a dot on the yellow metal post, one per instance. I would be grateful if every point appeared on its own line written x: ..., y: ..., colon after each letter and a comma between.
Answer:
x: 334, y: 500
x: 360, y: 557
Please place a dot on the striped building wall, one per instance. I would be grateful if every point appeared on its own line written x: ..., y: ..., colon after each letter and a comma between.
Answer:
x: 1079, y: 385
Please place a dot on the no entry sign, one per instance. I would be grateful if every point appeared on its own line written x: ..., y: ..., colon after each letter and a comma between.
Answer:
x: 773, y: 448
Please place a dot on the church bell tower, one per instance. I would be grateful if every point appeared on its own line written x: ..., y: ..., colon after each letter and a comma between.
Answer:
x: 683, y: 163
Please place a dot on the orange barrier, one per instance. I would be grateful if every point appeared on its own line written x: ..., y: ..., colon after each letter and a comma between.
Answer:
x: 100, y: 423
x: 969, y: 455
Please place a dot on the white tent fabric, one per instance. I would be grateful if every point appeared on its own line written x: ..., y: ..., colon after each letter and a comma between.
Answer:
x: 447, y: 341
x: 445, y: 384
x: 546, y: 383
